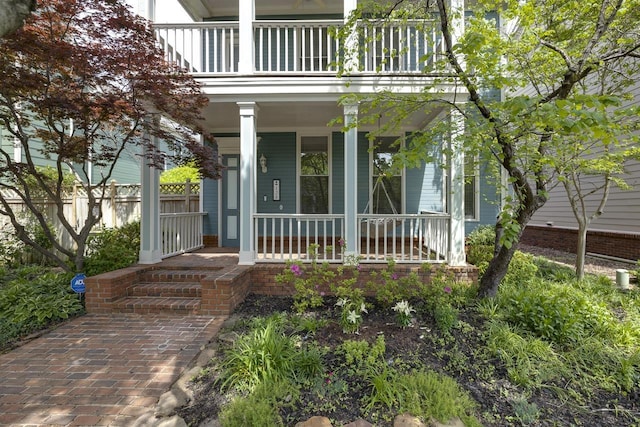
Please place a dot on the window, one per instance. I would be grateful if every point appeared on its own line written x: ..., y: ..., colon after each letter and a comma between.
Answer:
x: 471, y: 190
x: 386, y: 185
x: 314, y: 175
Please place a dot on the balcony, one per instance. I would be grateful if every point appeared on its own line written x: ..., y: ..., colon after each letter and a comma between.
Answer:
x: 300, y: 47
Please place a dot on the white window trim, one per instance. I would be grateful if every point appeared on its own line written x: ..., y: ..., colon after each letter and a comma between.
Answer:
x: 299, y: 137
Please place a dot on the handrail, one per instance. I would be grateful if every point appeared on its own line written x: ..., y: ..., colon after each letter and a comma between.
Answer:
x: 181, y: 232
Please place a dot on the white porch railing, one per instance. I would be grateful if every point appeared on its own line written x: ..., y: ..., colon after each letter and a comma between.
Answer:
x: 297, y: 46
x: 403, y: 238
x: 281, y: 237
x: 181, y: 232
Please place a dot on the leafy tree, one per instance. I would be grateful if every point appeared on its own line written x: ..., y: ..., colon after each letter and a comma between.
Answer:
x: 82, y: 81
x: 545, y: 56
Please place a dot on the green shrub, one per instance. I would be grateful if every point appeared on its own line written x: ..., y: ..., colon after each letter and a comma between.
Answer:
x: 32, y: 299
x: 180, y: 174
x: 308, y: 280
x: 250, y: 412
x: 427, y: 394
x: 267, y: 354
x: 112, y: 249
x: 389, y: 288
x: 522, y: 269
x: 483, y: 235
x: 479, y: 254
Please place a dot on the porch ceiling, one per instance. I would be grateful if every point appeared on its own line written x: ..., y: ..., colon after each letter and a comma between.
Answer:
x: 224, y: 117
x: 200, y: 9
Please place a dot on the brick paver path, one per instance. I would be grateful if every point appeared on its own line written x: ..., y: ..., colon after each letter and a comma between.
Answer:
x: 99, y: 370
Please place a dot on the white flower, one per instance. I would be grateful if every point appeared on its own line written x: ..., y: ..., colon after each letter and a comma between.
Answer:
x: 353, y: 317
x: 403, y: 307
x: 342, y: 302
x: 363, y: 308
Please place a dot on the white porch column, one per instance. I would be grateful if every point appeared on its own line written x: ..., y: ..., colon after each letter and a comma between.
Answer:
x: 248, y: 111
x: 351, y: 44
x: 351, y: 182
x: 457, y: 21
x: 456, y: 195
x: 150, y: 238
x: 247, y: 16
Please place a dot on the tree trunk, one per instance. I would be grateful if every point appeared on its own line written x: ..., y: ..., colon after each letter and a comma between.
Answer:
x: 581, y: 250
x: 495, y: 272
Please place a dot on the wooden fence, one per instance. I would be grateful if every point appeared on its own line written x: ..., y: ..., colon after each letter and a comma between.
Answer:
x: 120, y: 204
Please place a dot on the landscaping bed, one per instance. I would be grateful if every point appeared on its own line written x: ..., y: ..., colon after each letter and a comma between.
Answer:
x: 481, y: 362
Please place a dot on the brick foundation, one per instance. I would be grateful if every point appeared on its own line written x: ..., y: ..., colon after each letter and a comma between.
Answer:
x: 225, y: 288
x: 621, y: 245
x: 263, y: 276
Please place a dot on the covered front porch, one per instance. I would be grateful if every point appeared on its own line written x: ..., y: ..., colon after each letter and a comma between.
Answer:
x: 287, y: 187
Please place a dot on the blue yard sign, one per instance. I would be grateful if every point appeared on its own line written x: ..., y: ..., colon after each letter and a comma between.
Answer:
x: 77, y: 283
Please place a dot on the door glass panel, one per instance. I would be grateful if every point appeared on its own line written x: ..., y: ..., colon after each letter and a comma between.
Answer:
x: 232, y: 189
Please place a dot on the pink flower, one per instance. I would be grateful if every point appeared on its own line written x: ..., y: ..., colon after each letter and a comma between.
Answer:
x: 358, y: 267
x: 341, y: 242
x: 295, y: 269
x: 447, y: 290
x: 394, y: 276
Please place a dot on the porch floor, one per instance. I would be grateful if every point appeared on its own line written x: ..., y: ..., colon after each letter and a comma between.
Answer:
x: 208, y: 257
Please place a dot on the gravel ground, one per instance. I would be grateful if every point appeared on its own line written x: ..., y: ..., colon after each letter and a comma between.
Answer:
x: 593, y: 265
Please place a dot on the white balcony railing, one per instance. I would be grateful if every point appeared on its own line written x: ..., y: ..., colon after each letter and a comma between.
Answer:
x: 181, y: 232
x: 403, y: 238
x: 296, y: 46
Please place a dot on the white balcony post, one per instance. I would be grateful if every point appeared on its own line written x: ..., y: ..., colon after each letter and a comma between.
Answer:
x: 457, y: 22
x: 150, y: 237
x: 351, y: 181
x: 351, y: 61
x: 248, y: 111
x: 456, y: 194
x: 246, y: 44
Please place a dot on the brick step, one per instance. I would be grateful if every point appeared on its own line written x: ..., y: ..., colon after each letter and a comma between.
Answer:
x: 169, y: 275
x: 166, y: 289
x: 152, y: 305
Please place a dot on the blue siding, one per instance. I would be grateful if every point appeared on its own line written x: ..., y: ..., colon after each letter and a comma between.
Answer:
x: 280, y: 151
x: 210, y: 206
x: 424, y: 189
x: 489, y: 202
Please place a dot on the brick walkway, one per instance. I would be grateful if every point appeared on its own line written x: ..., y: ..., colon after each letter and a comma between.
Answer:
x: 99, y: 370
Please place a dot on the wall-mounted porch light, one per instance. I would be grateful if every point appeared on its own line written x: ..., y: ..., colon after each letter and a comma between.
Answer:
x: 263, y: 163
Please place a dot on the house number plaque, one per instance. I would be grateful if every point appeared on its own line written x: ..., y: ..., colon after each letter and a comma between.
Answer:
x: 276, y: 190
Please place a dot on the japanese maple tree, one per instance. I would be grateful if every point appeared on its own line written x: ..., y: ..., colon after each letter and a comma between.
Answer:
x: 82, y: 82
